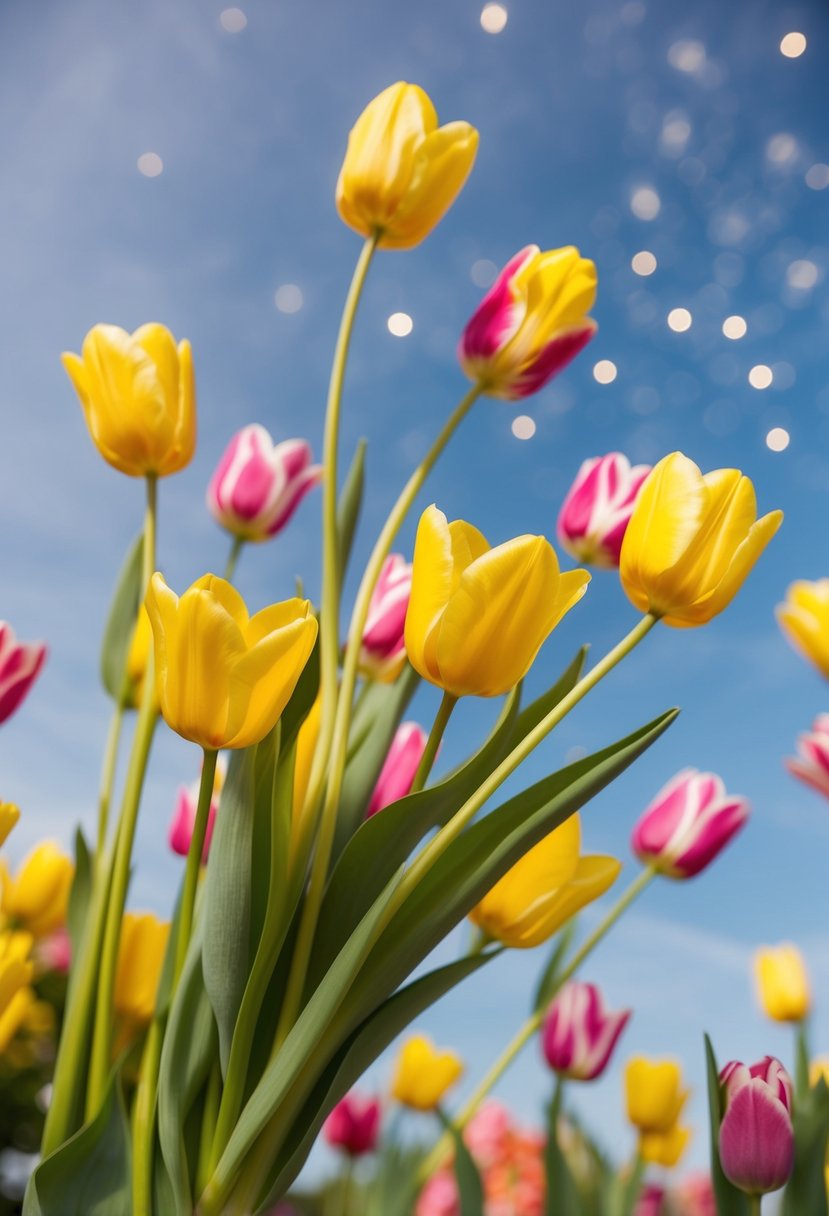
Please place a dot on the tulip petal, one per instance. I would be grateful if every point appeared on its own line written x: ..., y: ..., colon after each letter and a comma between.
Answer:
x: 756, y: 1140
x: 263, y: 681
x: 442, y: 162
x: 210, y: 645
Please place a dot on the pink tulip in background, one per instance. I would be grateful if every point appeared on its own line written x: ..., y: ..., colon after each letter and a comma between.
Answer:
x: 354, y: 1125
x: 695, y: 1196
x: 651, y: 1201
x: 579, y: 1033
x: 688, y: 823
x: 399, y: 768
x: 20, y: 663
x: 597, y: 509
x: 184, y: 816
x: 756, y: 1136
x: 258, y: 485
x: 812, y: 763
x: 54, y: 953
x: 383, y: 650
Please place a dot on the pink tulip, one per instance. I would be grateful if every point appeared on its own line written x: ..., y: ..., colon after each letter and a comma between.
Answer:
x: 354, y: 1125
x: 488, y: 1134
x: 812, y: 765
x: 20, y: 663
x: 184, y: 816
x: 439, y: 1196
x: 579, y: 1033
x: 597, y: 509
x: 258, y: 485
x: 688, y: 823
x: 399, y: 768
x: 695, y: 1196
x: 54, y: 953
x: 651, y: 1201
x: 756, y: 1136
x: 383, y: 650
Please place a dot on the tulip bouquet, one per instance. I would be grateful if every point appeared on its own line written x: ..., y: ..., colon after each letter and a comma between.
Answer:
x: 198, y: 1060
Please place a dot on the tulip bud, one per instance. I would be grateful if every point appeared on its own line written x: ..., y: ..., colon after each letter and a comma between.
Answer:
x: 531, y: 323
x: 655, y: 1096
x: 184, y: 817
x: 692, y: 541
x: 804, y: 619
x: 20, y: 663
x: 37, y: 896
x: 401, y: 171
x: 812, y: 765
x: 399, y: 767
x: 756, y: 1135
x: 782, y: 983
x: 354, y: 1125
x: 140, y: 959
x: 579, y: 1033
x: 383, y: 649
x: 423, y: 1074
x: 595, y: 514
x: 9, y: 816
x: 258, y: 485
x: 687, y: 825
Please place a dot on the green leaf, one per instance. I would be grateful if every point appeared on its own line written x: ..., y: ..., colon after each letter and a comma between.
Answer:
x: 89, y: 1175
x: 730, y: 1201
x: 806, y: 1189
x: 631, y: 1187
x: 120, y: 624
x: 470, y: 1187
x: 548, y: 980
x: 226, y: 949
x: 80, y: 894
x: 562, y: 1195
x: 348, y: 508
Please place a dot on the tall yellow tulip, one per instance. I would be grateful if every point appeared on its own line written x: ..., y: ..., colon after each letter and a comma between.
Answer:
x: 37, y: 895
x: 543, y: 890
x: 692, y: 541
x: 140, y: 958
x: 782, y: 982
x: 138, y: 397
x: 655, y: 1096
x: 804, y: 619
x: 478, y: 616
x: 423, y: 1074
x: 401, y: 171
x: 223, y: 678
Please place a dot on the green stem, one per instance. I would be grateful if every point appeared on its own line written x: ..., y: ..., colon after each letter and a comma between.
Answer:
x: 233, y: 558
x: 345, y: 1186
x: 755, y: 1203
x: 439, y: 725
x: 108, y: 780
x: 208, y: 1123
x: 143, y: 1122
x: 194, y: 857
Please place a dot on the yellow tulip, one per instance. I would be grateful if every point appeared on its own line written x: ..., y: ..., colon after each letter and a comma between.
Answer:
x: 138, y: 656
x: 401, y: 171
x: 15, y: 969
x: 14, y: 1015
x: 223, y: 678
x: 692, y: 541
x: 543, y: 890
x: 9, y: 815
x: 819, y: 1071
x: 655, y: 1096
x: 782, y: 983
x: 423, y: 1074
x: 37, y: 896
x: 665, y: 1148
x: 478, y: 616
x: 306, y: 746
x: 804, y: 618
x: 138, y: 397
x: 140, y: 958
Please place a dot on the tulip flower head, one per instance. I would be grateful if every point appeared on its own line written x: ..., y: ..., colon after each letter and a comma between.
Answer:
x: 9, y: 816
x: 597, y: 509
x: 544, y: 889
x: 811, y: 765
x: 804, y: 619
x: 756, y: 1136
x: 36, y: 897
x: 383, y: 649
x: 399, y: 768
x: 665, y: 1148
x: 354, y: 1125
x: 140, y: 958
x: 654, y: 1092
x: 16, y: 969
x: 423, y: 1075
x: 184, y: 816
x: 692, y: 541
x: 54, y: 953
x: 14, y: 1017
x: 531, y: 323
x: 402, y: 172
x: 258, y: 484
x: 20, y: 663
x: 478, y: 616
x: 782, y: 983
x: 579, y: 1033
x: 138, y: 397
x: 651, y: 1201
x: 687, y: 825
x: 223, y: 678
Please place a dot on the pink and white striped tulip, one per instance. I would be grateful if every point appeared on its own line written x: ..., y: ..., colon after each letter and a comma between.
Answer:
x: 184, y: 816
x: 383, y: 649
x: 579, y: 1033
x: 597, y: 509
x: 353, y: 1125
x: 756, y: 1136
x: 20, y: 663
x: 688, y: 823
x: 399, y: 767
x: 258, y: 485
x: 531, y: 323
x: 812, y: 764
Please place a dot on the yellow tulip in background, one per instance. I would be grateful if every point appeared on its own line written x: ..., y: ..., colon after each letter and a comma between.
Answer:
x: 138, y: 397
x: 654, y: 1093
x: 140, y: 956
x: 36, y: 897
x: 402, y: 172
x: 665, y: 1148
x: 543, y: 890
x: 423, y: 1074
x: 15, y: 968
x: 804, y: 618
x: 223, y: 678
x: 9, y: 816
x: 692, y: 541
x: 782, y: 983
x: 478, y: 616
x: 138, y: 656
x: 14, y: 1015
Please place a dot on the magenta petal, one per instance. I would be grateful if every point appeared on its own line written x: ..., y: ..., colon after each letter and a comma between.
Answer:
x: 756, y: 1140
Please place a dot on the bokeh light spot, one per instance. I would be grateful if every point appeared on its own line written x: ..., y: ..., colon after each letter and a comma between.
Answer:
x: 735, y: 327
x: 605, y: 371
x: 483, y: 273
x: 288, y: 298
x: 679, y: 319
x: 793, y: 45
x: 760, y: 376
x: 778, y: 439
x: 494, y: 18
x: 150, y: 164
x: 523, y: 427
x: 645, y: 203
x: 643, y: 262
x: 400, y: 324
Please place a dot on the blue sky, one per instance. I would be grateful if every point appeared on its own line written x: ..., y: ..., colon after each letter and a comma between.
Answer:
x: 592, y: 118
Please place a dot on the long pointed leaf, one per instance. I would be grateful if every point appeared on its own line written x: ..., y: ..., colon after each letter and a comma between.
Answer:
x: 120, y: 623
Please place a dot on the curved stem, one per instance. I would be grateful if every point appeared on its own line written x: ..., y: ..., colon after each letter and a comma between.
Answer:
x: 439, y: 725
x: 108, y: 780
x: 233, y: 558
x: 194, y: 858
